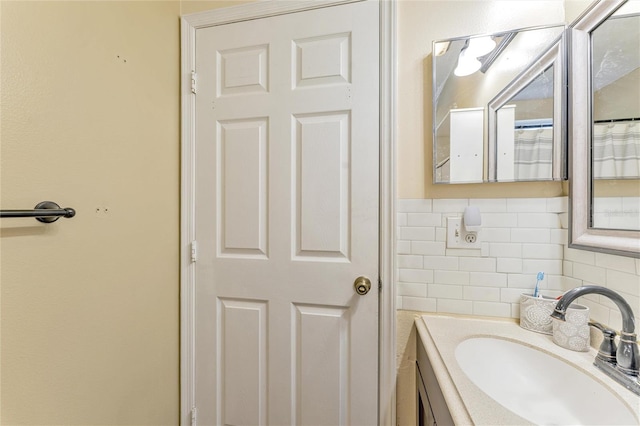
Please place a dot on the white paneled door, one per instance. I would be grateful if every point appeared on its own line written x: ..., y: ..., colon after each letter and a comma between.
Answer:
x: 286, y: 219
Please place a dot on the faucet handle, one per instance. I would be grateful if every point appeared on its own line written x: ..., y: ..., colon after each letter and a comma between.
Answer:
x: 607, y: 351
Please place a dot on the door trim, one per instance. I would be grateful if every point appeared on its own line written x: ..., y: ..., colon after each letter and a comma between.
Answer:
x: 387, y: 300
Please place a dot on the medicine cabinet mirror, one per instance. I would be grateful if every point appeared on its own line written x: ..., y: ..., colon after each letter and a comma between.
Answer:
x: 504, y: 87
x: 604, y: 84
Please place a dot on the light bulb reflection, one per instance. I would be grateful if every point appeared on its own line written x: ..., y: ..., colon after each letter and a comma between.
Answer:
x: 467, y: 64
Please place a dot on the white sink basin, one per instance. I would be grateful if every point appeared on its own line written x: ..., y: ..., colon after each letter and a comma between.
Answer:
x: 539, y: 387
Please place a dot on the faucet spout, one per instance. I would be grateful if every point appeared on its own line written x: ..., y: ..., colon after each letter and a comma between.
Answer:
x: 627, y: 355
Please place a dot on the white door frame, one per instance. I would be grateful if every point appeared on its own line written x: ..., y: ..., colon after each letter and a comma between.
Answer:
x: 387, y: 310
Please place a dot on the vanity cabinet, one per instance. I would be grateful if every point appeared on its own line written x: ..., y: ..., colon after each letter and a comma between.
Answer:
x: 431, y: 406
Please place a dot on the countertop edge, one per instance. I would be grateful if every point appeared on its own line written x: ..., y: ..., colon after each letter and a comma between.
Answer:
x: 457, y: 408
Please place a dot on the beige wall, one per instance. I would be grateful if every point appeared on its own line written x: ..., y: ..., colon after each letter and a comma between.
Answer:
x: 90, y: 119
x: 419, y: 23
x: 89, y: 306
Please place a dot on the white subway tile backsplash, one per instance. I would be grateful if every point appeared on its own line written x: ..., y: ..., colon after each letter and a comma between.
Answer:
x: 446, y: 263
x: 505, y: 264
x: 490, y: 205
x: 415, y: 275
x: 531, y: 235
x: 432, y: 248
x: 419, y: 304
x: 559, y: 236
x: 498, y: 250
x: 542, y: 251
x: 450, y: 205
x: 417, y: 233
x: 495, y: 235
x: 466, y: 252
x: 487, y: 294
x: 403, y: 247
x: 523, y: 280
x: 452, y: 306
x: 512, y: 295
x: 444, y: 291
x: 557, y: 205
x: 533, y: 266
x: 519, y: 238
x: 580, y: 256
x: 413, y: 205
x: 538, y: 220
x: 623, y: 282
x: 487, y: 279
x: 567, y: 268
x: 424, y: 219
x: 553, y: 282
x: 593, y: 274
x: 492, y: 309
x: 401, y: 219
x: 526, y: 205
x: 564, y: 220
x: 570, y: 282
x: 412, y: 289
x: 451, y: 277
x: 410, y: 261
x: 481, y: 264
x: 619, y: 263
x: 499, y: 220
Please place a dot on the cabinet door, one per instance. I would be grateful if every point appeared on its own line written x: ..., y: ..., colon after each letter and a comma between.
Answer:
x: 424, y: 416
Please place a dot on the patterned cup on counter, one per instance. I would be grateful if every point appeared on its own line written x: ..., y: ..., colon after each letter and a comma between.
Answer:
x: 535, y: 313
x: 573, y: 333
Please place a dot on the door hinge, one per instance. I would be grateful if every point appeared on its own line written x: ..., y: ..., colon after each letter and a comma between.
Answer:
x: 194, y: 414
x: 379, y: 284
x: 193, y: 82
x: 194, y: 251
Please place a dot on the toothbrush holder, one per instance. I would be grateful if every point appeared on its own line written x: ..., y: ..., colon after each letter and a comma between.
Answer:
x: 573, y: 333
x: 535, y: 313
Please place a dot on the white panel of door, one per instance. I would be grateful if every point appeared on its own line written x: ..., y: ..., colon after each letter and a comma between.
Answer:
x: 322, y: 185
x: 287, y: 190
x: 242, y: 330
x: 242, y: 190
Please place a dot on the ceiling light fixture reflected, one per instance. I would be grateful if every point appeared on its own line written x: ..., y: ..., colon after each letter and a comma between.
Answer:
x: 480, y: 46
x: 467, y: 64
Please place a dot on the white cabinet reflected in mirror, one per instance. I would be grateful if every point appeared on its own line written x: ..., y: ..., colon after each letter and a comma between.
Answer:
x: 470, y: 72
x: 605, y: 128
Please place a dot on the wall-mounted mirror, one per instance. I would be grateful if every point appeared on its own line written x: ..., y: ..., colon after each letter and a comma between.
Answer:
x: 469, y: 72
x: 605, y: 128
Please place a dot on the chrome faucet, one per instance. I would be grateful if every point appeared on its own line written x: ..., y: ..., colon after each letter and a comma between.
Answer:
x: 624, y: 367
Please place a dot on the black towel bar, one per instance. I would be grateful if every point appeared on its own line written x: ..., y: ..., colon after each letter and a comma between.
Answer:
x: 45, y: 212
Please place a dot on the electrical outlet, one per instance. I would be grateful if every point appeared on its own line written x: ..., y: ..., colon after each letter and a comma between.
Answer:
x: 460, y: 238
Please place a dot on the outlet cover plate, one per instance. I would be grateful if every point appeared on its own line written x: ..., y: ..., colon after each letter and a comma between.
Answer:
x: 456, y: 235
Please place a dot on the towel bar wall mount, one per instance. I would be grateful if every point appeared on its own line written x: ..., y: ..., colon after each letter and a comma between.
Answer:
x: 45, y: 212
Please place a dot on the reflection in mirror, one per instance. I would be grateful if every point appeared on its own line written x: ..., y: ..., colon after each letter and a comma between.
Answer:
x: 615, y: 47
x: 525, y: 120
x: 468, y: 72
x: 603, y: 96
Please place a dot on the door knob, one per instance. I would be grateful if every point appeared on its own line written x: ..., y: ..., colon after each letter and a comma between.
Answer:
x: 362, y: 285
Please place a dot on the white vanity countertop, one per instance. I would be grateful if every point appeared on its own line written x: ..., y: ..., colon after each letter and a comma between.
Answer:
x: 440, y: 334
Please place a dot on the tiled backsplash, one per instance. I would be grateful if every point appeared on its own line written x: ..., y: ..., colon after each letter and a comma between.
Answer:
x: 519, y: 238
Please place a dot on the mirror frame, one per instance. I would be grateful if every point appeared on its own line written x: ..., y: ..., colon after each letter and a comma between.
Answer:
x: 555, y: 56
x: 581, y: 234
